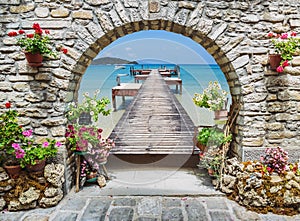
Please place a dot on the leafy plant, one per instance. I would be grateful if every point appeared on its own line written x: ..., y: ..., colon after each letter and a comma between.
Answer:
x: 10, y: 130
x: 285, y: 44
x: 211, y: 161
x: 212, y: 97
x: 92, y: 105
x: 212, y: 136
x: 37, y: 42
x: 33, y: 152
x: 275, y: 160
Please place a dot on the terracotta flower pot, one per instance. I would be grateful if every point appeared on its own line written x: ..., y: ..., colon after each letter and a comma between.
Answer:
x: 34, y: 60
x: 13, y: 171
x: 38, y: 167
x: 274, y: 61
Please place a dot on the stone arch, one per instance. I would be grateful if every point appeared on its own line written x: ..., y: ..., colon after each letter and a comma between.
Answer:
x: 233, y: 32
x: 212, y: 47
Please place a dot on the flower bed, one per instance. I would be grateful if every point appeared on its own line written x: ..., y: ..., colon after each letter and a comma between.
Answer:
x: 269, y: 185
x: 262, y: 192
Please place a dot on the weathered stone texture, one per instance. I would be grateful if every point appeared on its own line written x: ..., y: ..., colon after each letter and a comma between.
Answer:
x: 233, y: 32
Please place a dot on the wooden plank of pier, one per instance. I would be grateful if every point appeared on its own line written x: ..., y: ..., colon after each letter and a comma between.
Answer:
x: 154, y: 122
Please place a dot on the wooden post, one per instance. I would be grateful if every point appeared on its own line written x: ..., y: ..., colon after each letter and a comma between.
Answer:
x: 77, y: 172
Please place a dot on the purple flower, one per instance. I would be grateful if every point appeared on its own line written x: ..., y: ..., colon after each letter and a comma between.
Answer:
x: 16, y: 146
x: 27, y: 133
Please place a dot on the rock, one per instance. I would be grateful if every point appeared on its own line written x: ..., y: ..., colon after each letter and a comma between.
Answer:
x: 49, y: 202
x: 54, y: 173
x: 101, y: 181
x: 3, y: 175
x: 275, y: 189
x: 289, y: 175
x: 294, y: 184
x: 15, y: 205
x: 2, y: 203
x: 275, y: 179
x: 51, y: 192
x: 29, y: 196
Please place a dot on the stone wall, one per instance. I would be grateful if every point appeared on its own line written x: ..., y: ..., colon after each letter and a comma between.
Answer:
x: 233, y: 32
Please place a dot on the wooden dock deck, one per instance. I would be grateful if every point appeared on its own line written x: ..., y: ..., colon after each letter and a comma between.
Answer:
x: 154, y: 122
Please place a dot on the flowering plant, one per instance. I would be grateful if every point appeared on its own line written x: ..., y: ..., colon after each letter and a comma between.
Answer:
x: 212, y: 97
x: 10, y: 130
x: 285, y: 44
x: 210, y: 161
x: 19, y: 144
x: 29, y: 153
x: 92, y: 105
x: 275, y: 160
x: 37, y: 42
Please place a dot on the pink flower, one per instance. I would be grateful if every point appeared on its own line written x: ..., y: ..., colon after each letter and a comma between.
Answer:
x: 284, y: 36
x: 27, y: 133
x: 20, y: 153
x: 16, y: 146
x: 279, y: 69
x: 58, y: 144
x: 45, y: 144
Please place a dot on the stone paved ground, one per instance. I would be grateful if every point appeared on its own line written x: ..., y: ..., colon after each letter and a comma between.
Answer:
x: 75, y: 207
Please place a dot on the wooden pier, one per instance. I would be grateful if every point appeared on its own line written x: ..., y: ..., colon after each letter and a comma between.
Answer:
x: 154, y: 122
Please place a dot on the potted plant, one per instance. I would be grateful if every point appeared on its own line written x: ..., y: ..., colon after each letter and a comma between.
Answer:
x: 211, y: 162
x: 10, y: 132
x: 19, y: 146
x: 286, y: 45
x: 213, y: 98
x: 35, y: 45
x: 35, y: 155
x: 212, y: 136
x: 91, y: 105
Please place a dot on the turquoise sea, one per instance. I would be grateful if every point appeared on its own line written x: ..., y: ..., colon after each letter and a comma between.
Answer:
x: 195, y: 78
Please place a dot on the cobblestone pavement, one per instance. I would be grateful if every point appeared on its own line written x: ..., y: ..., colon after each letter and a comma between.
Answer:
x: 75, y: 207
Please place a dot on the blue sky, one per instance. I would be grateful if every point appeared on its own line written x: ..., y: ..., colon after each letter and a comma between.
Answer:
x: 158, y: 45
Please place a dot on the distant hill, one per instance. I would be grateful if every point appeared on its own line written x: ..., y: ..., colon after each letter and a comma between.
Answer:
x: 109, y: 60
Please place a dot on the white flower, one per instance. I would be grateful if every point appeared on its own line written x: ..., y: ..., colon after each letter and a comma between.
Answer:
x: 92, y: 113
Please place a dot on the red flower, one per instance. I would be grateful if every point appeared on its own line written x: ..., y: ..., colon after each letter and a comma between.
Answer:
x: 47, y: 32
x: 284, y: 36
x: 271, y: 35
x: 279, y: 69
x: 64, y: 50
x: 39, y: 31
x: 21, y: 32
x: 36, y: 26
x: 8, y: 105
x: 285, y: 63
x: 30, y: 35
x: 12, y: 34
x: 293, y: 34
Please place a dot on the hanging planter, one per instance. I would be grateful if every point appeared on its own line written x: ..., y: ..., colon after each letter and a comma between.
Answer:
x: 274, y: 61
x: 220, y: 114
x: 34, y: 60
